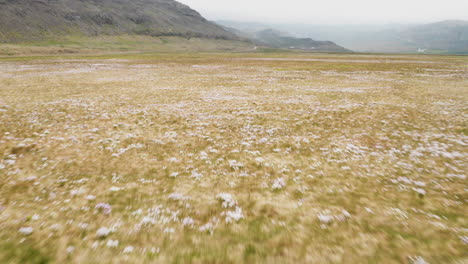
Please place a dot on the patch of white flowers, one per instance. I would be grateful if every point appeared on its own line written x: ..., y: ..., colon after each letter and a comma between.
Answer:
x: 208, y: 227
x: 188, y: 221
x: 227, y: 200
x: 327, y: 218
x: 234, y: 216
x: 196, y: 175
x: 278, y: 184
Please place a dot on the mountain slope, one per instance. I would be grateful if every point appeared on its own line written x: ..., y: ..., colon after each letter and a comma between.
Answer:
x: 265, y: 36
x: 445, y: 36
x: 276, y: 39
x: 31, y: 20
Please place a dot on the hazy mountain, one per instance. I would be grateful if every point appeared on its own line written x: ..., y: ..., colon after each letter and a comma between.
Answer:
x: 29, y: 20
x: 449, y: 36
x: 265, y: 36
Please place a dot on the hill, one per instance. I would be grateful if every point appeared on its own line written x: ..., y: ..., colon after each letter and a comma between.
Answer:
x: 276, y: 39
x: 273, y: 38
x: 37, y: 20
x: 449, y: 36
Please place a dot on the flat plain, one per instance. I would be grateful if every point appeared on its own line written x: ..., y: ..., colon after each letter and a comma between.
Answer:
x: 234, y: 158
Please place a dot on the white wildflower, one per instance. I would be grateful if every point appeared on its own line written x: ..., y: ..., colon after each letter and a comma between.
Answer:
x: 464, y: 239
x: 419, y: 183
x: 155, y: 250
x: 212, y: 150
x: 169, y: 230
x: 76, y: 192
x: 112, y: 243
x: 173, y: 160
x: 104, y: 208
x: 114, y: 189
x: 203, y: 155
x: 418, y: 260
x: 30, y: 178
x: 206, y: 227
x: 404, y: 179
x: 83, y: 226
x: 103, y: 232
x: 137, y: 212
x: 147, y: 220
x: 326, y: 219
x: 346, y: 214
x: 128, y: 249
x: 10, y: 161
x: 259, y: 160
x: 26, y: 230
x: 55, y: 227
x: 235, y: 164
x: 178, y: 197
x: 456, y: 176
x: 420, y: 191
x: 70, y: 249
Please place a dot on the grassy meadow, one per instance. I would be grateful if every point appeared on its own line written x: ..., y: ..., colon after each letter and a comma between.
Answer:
x: 234, y: 158
x: 105, y: 44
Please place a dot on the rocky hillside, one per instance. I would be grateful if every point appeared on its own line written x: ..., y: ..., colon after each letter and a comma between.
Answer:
x: 32, y: 20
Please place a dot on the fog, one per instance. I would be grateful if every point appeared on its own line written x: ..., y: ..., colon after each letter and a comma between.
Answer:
x: 332, y: 11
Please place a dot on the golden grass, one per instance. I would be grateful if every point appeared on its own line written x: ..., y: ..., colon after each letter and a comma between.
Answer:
x: 71, y: 45
x: 319, y: 158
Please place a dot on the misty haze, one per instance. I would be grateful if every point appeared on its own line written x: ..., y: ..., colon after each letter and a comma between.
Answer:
x: 249, y: 131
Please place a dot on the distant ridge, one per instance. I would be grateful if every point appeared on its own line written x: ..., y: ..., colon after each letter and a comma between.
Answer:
x: 263, y: 35
x: 32, y: 20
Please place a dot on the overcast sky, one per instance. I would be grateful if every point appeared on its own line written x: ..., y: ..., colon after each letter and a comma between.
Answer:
x: 332, y: 11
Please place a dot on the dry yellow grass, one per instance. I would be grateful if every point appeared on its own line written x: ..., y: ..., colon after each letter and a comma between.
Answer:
x: 231, y: 158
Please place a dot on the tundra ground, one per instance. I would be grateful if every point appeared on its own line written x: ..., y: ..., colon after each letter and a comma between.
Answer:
x: 234, y: 158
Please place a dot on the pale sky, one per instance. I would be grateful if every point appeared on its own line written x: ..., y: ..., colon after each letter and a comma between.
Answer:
x: 332, y: 11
